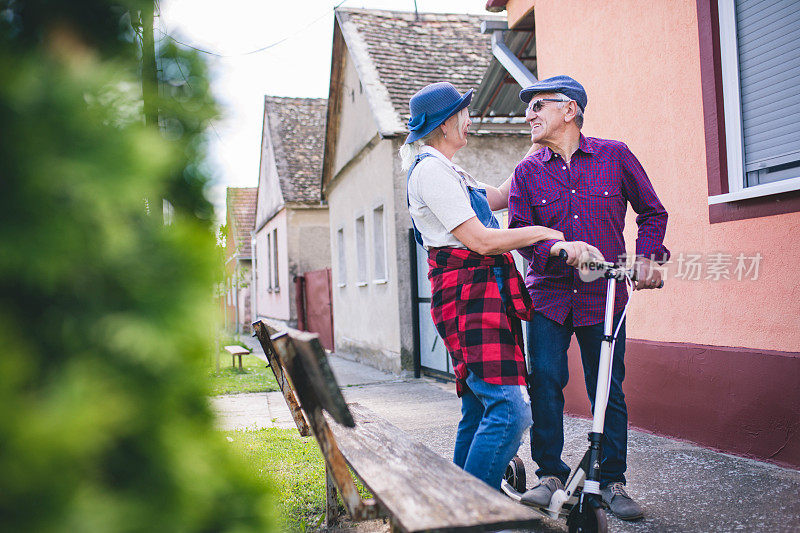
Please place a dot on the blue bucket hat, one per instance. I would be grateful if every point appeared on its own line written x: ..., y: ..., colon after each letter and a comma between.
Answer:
x: 557, y: 84
x: 432, y: 105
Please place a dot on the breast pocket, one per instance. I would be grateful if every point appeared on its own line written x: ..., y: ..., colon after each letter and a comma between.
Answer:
x: 603, y: 202
x: 549, y: 207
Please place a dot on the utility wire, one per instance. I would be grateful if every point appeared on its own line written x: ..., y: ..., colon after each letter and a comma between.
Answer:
x: 257, y: 50
x: 183, y: 75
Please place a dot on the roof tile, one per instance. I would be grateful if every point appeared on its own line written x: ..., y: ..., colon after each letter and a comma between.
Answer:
x: 297, y: 128
x: 410, y: 53
x: 241, y: 205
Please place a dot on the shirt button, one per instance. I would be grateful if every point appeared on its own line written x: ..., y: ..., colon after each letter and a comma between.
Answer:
x: 544, y: 201
x: 563, y: 168
x: 576, y: 216
x: 575, y: 291
x: 573, y: 190
x: 606, y: 193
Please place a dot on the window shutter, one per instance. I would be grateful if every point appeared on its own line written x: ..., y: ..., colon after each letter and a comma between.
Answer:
x: 768, y: 34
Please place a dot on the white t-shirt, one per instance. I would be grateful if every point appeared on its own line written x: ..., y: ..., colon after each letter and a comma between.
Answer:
x: 439, y: 199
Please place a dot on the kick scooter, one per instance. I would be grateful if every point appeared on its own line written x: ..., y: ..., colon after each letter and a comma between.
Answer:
x: 580, y: 500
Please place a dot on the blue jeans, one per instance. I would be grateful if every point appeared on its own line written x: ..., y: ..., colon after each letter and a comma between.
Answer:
x: 547, y: 361
x: 493, y: 421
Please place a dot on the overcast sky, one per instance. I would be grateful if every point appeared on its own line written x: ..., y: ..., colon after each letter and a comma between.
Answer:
x: 299, y: 66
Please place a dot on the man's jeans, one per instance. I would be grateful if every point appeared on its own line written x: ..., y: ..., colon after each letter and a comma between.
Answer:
x: 493, y: 421
x: 547, y: 361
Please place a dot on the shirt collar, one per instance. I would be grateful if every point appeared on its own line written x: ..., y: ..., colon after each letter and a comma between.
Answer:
x: 583, y: 146
x: 547, y: 154
x: 439, y: 155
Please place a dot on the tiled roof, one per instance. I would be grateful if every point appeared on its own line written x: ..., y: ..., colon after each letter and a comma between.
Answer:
x: 297, y: 130
x: 409, y: 53
x: 241, y: 204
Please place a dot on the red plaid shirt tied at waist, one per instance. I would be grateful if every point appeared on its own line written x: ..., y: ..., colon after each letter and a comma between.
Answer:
x: 481, y: 334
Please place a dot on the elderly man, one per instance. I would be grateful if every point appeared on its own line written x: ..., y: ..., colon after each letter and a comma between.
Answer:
x: 580, y: 186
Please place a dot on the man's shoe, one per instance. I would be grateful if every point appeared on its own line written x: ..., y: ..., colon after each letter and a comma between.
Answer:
x: 620, y: 503
x: 540, y: 494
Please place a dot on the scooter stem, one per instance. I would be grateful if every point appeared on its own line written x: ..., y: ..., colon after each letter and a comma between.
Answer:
x: 603, y: 384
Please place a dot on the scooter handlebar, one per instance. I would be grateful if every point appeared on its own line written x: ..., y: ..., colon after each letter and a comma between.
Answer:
x: 564, y: 255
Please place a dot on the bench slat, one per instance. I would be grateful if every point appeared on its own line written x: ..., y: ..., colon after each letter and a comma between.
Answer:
x: 421, y: 490
x: 236, y: 350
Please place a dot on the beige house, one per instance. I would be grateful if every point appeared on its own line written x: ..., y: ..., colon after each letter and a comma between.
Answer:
x: 380, y: 59
x: 290, y: 235
x: 240, y: 213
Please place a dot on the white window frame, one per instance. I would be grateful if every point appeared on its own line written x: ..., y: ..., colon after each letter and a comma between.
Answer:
x: 269, y: 260
x: 276, y: 265
x: 342, y: 257
x: 732, y: 102
x: 361, y: 252
x: 375, y: 259
x: 254, y: 278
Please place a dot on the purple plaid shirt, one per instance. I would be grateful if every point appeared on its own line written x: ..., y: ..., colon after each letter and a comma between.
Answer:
x: 587, y: 202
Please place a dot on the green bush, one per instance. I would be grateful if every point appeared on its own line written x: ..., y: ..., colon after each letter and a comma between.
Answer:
x: 105, y: 311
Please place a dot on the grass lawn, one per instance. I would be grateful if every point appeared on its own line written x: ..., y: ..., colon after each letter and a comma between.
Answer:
x: 294, y: 465
x: 254, y: 377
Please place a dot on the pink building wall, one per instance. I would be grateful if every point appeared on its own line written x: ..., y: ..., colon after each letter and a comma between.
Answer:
x: 272, y: 304
x: 640, y: 65
x: 713, y: 362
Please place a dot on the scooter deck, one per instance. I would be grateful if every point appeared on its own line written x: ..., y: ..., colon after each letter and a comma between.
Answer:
x: 515, y: 495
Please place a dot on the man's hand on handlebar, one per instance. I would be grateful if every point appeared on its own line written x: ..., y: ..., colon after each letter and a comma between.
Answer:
x: 648, y: 275
x: 577, y: 252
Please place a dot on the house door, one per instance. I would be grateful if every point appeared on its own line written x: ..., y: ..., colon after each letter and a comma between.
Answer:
x: 318, y: 308
x: 429, y: 352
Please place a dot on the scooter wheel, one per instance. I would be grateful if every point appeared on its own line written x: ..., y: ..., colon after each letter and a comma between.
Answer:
x: 589, y: 519
x: 515, y: 474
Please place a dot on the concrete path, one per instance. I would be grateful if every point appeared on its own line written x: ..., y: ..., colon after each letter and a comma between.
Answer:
x: 681, y: 486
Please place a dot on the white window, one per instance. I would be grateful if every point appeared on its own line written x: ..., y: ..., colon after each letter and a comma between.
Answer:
x: 275, y: 269
x: 342, y: 257
x: 361, y: 251
x: 760, y: 75
x: 254, y: 278
x: 379, y: 245
x: 268, y: 262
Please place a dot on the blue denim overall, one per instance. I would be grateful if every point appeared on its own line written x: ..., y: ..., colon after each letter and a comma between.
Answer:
x: 493, y: 417
x: 480, y: 204
x: 477, y: 199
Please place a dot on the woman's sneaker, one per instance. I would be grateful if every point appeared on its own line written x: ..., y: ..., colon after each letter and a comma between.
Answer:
x: 540, y: 494
x: 620, y: 503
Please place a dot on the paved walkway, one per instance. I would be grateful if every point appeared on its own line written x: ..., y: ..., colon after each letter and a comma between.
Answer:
x: 681, y: 486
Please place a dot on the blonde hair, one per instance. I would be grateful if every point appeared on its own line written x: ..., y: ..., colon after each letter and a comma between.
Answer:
x: 411, y: 150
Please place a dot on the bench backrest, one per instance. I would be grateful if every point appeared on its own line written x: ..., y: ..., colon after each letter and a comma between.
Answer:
x: 306, y: 364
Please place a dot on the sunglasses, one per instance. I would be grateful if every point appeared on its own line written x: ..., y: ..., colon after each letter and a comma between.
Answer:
x: 537, y: 105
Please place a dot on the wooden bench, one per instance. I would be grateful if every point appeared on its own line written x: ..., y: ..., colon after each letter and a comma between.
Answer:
x: 237, y: 351
x: 416, y: 489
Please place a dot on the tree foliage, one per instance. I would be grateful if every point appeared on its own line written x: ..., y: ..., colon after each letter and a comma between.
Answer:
x: 105, y: 311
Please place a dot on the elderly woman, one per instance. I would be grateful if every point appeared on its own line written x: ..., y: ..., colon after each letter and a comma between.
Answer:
x: 478, y: 296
